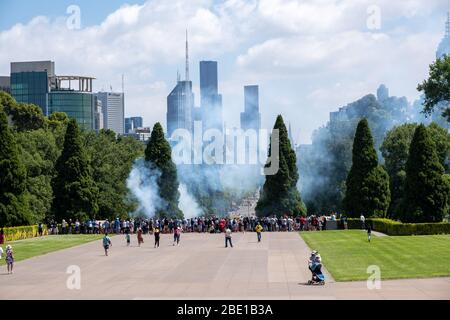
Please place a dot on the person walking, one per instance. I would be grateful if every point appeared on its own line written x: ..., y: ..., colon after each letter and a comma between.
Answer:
x: 9, y: 259
x: 258, y: 230
x: 177, y: 235
x: 156, y: 233
x: 228, y: 238
x: 106, y: 243
x: 128, y: 237
x: 369, y: 232
x: 139, y: 237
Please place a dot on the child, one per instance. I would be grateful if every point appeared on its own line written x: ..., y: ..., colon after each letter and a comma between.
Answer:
x: 177, y: 235
x: 106, y: 243
x: 139, y: 237
x: 369, y: 232
x: 258, y: 230
x: 228, y: 238
x: 9, y: 258
x: 128, y: 237
x: 156, y: 233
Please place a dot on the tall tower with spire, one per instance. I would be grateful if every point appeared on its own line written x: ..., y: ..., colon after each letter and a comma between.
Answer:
x: 180, y: 102
x: 444, y: 45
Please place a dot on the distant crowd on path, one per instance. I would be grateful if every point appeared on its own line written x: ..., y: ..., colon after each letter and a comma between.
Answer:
x: 200, y: 225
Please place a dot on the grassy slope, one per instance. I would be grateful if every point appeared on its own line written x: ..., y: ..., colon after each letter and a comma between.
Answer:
x: 347, y: 254
x: 24, y: 249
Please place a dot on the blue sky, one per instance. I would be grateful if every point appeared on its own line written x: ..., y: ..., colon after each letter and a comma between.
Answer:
x: 309, y: 57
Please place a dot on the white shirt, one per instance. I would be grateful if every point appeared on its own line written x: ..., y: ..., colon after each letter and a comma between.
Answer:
x: 1, y: 252
x: 362, y: 218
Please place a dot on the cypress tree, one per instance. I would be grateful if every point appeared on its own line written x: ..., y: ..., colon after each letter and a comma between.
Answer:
x: 426, y: 189
x: 280, y: 195
x: 367, y: 184
x: 158, y: 154
x: 13, y: 201
x: 75, y: 192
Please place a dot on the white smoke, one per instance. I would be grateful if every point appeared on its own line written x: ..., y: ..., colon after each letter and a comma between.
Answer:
x: 142, y: 184
x: 187, y: 203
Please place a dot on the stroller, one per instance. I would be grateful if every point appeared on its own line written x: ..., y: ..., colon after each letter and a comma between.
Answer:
x: 315, y: 265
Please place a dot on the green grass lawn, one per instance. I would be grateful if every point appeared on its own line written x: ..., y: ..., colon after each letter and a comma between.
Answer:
x: 24, y: 249
x: 346, y: 254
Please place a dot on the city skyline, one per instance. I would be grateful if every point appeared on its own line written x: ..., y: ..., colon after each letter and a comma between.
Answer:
x: 302, y: 65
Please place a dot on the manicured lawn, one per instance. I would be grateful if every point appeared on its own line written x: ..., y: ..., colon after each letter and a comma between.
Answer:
x: 346, y: 254
x: 24, y: 249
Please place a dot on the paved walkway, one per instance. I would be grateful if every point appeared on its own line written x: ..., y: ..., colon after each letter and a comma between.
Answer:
x: 200, y: 268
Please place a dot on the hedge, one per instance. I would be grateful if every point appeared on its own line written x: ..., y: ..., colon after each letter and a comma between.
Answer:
x: 24, y: 232
x: 396, y: 228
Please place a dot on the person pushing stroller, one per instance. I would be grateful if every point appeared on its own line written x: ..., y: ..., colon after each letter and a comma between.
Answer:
x: 315, y: 266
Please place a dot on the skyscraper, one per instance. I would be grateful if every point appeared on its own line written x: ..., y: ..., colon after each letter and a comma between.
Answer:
x: 444, y: 45
x: 113, y: 111
x: 31, y: 82
x: 251, y: 118
x: 180, y: 102
x: 211, y: 100
x: 133, y: 123
x: 5, y: 84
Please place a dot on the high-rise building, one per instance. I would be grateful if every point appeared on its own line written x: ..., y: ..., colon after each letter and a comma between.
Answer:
x: 5, y: 84
x: 133, y: 123
x: 36, y: 82
x: 98, y: 114
x: 211, y: 100
x: 444, y: 45
x: 180, y: 103
x: 32, y: 81
x: 76, y: 101
x: 382, y: 93
x: 113, y: 111
x: 251, y: 118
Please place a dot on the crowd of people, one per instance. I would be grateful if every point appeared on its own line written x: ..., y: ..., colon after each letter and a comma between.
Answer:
x: 199, y: 224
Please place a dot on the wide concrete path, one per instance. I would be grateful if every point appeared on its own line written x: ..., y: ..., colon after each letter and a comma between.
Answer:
x: 200, y: 268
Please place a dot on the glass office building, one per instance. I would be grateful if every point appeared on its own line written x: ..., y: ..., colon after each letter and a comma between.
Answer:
x: 30, y: 87
x: 77, y: 105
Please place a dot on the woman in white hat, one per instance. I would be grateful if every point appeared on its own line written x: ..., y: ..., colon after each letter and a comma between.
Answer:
x: 9, y: 258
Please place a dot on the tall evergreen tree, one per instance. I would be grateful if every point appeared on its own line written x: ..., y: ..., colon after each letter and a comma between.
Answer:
x: 158, y: 155
x: 75, y: 192
x: 280, y: 194
x: 13, y: 200
x: 426, y: 189
x: 367, y: 184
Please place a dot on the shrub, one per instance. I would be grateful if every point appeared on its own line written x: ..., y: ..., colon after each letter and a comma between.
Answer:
x: 24, y: 232
x: 396, y: 228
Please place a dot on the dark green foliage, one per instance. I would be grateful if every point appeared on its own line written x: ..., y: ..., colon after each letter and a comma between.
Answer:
x: 437, y: 87
x: 395, y: 151
x: 110, y: 169
x: 158, y: 155
x: 367, y: 184
x: 279, y: 195
x: 75, y: 193
x: 426, y: 189
x: 13, y: 201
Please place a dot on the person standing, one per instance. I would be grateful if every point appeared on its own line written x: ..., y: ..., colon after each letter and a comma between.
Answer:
x: 9, y: 259
x: 156, y: 233
x: 1, y: 252
x: 139, y: 237
x: 106, y: 243
x: 363, y: 221
x: 228, y: 238
x: 258, y: 230
x: 2, y: 236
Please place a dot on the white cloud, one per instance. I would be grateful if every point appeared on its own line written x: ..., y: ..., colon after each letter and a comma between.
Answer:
x: 296, y: 50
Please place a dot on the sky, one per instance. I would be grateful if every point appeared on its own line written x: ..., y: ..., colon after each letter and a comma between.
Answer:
x: 309, y: 57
